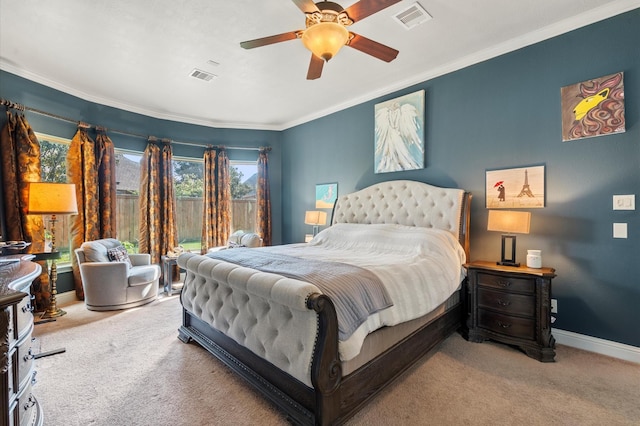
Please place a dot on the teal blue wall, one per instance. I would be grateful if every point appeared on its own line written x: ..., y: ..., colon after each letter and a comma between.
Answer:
x: 505, y: 113
x: 501, y: 113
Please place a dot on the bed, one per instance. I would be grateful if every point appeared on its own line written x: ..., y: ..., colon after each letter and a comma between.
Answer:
x: 284, y: 326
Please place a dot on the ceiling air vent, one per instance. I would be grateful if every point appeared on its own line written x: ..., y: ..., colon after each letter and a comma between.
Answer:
x: 412, y: 16
x: 202, y: 75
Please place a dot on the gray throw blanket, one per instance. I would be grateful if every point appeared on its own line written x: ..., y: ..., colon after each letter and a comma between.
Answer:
x: 355, y: 292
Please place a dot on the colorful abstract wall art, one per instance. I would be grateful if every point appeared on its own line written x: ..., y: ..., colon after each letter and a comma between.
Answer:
x: 593, y: 107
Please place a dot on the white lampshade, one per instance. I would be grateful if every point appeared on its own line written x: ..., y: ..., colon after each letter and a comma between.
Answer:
x: 315, y: 217
x: 508, y: 221
x: 52, y: 198
x: 325, y: 39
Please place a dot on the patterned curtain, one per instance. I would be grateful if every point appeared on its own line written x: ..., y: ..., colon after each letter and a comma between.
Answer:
x: 106, y: 162
x: 158, y: 229
x: 216, y: 220
x: 210, y: 210
x: 223, y: 218
x: 263, y: 199
x: 91, y: 167
x: 20, y: 156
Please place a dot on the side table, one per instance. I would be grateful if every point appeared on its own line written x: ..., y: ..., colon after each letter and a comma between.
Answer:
x: 510, y: 305
x: 170, y: 287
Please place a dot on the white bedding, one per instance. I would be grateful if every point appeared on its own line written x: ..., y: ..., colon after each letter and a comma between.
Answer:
x: 419, y: 267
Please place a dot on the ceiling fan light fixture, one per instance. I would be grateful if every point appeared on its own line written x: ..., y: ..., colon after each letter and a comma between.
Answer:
x: 325, y: 39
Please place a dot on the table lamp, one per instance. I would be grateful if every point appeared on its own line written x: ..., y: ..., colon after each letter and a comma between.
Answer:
x: 509, y: 222
x: 48, y: 198
x: 315, y: 218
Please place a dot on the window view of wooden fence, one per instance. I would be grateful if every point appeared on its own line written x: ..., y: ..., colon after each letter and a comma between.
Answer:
x: 189, y: 212
x: 189, y: 215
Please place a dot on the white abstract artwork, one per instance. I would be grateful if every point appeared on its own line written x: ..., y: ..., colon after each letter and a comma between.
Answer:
x: 399, y: 133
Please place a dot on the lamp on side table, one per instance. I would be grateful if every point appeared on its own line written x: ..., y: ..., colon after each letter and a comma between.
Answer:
x: 48, y: 198
x: 315, y: 218
x: 509, y: 223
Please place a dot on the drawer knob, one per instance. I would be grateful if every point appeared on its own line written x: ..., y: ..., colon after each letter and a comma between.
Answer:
x: 28, y: 356
x: 504, y: 324
x: 30, y: 403
x: 503, y: 302
x: 504, y: 283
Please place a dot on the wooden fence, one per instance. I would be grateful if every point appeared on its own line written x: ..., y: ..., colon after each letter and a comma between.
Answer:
x: 189, y: 212
x: 189, y: 218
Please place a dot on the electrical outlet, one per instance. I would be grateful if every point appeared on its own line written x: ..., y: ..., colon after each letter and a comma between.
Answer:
x: 554, y: 306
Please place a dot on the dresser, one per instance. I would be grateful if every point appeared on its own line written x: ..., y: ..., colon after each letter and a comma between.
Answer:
x: 511, y: 305
x: 17, y: 369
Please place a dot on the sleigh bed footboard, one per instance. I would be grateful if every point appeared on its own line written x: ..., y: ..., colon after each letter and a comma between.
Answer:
x: 255, y: 321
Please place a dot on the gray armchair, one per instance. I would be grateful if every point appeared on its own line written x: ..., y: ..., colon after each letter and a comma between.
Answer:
x: 113, y: 279
x: 240, y: 239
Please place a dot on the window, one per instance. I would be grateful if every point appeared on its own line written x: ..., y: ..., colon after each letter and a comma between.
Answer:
x: 53, y: 168
x: 189, y: 187
x: 188, y: 181
x: 128, y: 198
x: 243, y: 177
x: 187, y: 174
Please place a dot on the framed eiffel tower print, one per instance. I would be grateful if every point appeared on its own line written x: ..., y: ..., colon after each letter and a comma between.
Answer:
x: 519, y: 188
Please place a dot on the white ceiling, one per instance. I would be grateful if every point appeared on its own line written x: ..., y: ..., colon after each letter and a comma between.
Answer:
x: 137, y: 55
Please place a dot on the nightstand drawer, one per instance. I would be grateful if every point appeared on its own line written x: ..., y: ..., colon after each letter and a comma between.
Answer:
x: 505, y: 282
x: 508, y: 303
x: 25, y: 362
x: 522, y: 328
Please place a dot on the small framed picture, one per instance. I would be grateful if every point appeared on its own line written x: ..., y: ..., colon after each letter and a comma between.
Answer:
x: 326, y: 195
x: 518, y: 188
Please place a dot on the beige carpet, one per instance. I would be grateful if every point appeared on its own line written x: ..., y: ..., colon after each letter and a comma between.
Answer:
x: 129, y: 368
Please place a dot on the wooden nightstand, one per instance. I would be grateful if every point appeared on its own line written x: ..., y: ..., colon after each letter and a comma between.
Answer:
x: 511, y: 305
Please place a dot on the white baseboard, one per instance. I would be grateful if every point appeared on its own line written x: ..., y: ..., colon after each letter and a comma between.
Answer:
x: 594, y: 344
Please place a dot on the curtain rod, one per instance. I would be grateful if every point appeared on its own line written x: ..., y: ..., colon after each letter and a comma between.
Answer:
x: 20, y: 107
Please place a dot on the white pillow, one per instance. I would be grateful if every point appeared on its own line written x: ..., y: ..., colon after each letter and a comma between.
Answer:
x: 391, y: 238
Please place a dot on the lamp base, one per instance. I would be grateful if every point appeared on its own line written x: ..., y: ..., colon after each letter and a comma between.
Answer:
x: 504, y: 260
x: 516, y: 264
x: 53, y: 313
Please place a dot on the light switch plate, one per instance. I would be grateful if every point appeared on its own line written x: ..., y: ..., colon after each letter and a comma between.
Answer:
x: 619, y: 230
x: 624, y: 202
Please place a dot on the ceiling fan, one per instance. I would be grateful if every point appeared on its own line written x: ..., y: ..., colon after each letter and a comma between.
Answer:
x: 326, y: 32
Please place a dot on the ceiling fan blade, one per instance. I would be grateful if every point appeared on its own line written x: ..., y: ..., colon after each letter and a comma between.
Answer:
x: 250, y: 44
x: 306, y: 6
x: 364, y: 8
x: 315, y: 67
x: 373, y: 48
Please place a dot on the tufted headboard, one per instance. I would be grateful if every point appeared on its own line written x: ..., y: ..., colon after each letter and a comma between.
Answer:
x: 410, y: 203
